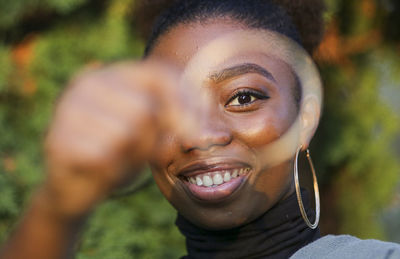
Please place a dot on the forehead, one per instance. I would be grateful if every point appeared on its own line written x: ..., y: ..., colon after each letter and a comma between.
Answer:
x: 180, y: 44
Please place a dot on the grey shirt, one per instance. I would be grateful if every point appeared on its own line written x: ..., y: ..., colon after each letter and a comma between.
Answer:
x: 348, y: 247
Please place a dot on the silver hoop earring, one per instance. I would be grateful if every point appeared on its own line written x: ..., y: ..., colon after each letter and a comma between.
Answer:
x: 298, y: 193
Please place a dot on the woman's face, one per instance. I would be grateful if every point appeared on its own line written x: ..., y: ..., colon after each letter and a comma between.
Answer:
x: 217, y: 179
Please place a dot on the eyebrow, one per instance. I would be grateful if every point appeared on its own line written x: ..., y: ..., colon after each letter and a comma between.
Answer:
x: 238, y: 70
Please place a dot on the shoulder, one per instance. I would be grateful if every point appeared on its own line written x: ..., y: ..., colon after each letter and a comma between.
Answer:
x: 345, y: 246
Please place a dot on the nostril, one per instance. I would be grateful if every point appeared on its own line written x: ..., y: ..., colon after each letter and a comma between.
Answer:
x: 207, y: 140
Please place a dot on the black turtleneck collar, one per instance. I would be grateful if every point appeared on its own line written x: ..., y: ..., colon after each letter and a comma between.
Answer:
x: 278, y: 233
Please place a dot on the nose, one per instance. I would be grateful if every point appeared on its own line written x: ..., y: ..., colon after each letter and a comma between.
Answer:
x: 212, y: 132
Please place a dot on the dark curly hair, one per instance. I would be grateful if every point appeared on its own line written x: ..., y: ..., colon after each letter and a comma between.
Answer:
x: 301, y: 20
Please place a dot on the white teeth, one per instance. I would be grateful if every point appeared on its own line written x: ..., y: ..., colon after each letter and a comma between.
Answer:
x: 207, y: 181
x: 235, y: 173
x: 227, y: 176
x: 217, y: 179
x: 199, y: 182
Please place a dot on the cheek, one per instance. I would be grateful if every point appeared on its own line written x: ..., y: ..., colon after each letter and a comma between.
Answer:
x: 275, y: 181
x: 163, y: 154
x: 262, y: 127
x: 162, y: 182
x: 161, y: 161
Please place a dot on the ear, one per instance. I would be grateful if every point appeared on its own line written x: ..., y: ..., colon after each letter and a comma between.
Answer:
x: 310, y: 114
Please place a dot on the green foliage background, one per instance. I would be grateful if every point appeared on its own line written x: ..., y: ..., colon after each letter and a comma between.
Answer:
x: 44, y: 42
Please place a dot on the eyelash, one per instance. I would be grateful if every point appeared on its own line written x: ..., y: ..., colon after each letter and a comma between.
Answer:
x: 239, y: 93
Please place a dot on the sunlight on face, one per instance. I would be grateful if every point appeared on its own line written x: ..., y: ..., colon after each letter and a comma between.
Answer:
x: 219, y: 52
x: 236, y: 161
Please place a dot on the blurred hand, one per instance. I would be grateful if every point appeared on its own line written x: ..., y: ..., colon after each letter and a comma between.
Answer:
x: 104, y: 129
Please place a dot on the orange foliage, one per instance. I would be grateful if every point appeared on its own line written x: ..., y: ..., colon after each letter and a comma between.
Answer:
x: 330, y: 49
x: 337, y: 50
x: 368, y: 8
x: 9, y: 164
x: 22, y: 55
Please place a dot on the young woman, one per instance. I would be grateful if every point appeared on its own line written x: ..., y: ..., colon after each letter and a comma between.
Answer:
x: 220, y: 107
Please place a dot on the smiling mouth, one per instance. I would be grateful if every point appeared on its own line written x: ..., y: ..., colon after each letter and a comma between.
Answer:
x: 214, y: 182
x: 216, y: 178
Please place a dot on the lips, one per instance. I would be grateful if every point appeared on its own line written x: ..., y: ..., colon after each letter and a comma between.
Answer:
x: 213, y: 182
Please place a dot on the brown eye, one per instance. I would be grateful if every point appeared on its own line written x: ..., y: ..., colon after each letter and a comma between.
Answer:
x: 245, y: 98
